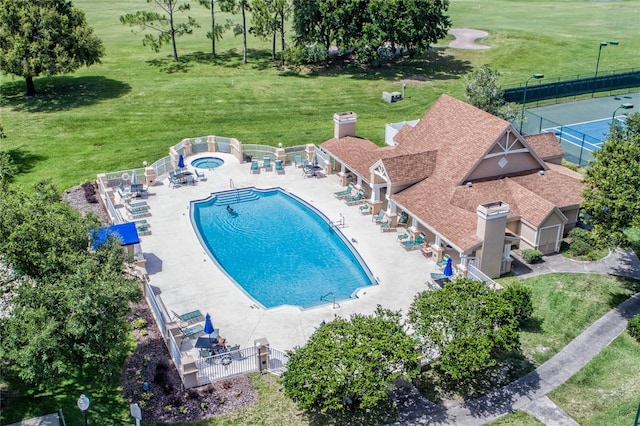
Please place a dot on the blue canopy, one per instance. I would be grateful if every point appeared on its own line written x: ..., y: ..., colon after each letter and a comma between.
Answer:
x: 127, y: 233
x: 448, y: 269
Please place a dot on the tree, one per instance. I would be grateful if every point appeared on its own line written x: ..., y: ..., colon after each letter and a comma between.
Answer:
x: 611, y: 202
x: 8, y: 170
x: 163, y: 23
x: 216, y: 29
x: 71, y: 318
x: 47, y: 37
x: 481, y: 90
x: 313, y: 23
x: 350, y: 364
x: 371, y: 27
x: 238, y: 6
x: 267, y: 19
x: 464, y: 328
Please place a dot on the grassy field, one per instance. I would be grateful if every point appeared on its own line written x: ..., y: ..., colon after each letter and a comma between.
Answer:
x: 137, y: 103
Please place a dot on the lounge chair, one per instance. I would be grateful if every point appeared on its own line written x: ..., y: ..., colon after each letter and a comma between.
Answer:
x: 443, y: 262
x: 378, y: 218
x: 298, y: 161
x: 200, y: 175
x: 124, y: 195
x: 386, y: 226
x: 279, y: 168
x: 137, y: 204
x: 344, y: 193
x: 403, y: 237
x: 189, y: 317
x: 413, y: 244
x: 365, y: 209
x: 191, y: 332
x: 358, y: 199
x: 266, y: 163
x: 403, y: 219
x: 255, y: 166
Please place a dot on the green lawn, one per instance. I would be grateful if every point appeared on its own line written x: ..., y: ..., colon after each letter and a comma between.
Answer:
x: 136, y: 104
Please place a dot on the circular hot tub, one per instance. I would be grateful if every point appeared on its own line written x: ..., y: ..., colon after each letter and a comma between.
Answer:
x: 207, y: 162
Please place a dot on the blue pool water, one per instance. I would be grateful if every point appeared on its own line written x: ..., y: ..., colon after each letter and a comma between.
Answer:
x: 207, y: 162
x: 278, y: 249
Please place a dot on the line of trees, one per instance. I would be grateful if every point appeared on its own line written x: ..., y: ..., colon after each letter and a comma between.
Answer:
x: 52, y: 37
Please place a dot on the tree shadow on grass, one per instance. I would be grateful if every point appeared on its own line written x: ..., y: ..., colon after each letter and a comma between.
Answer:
x: 25, y: 161
x: 61, y: 93
x: 383, y: 413
x: 433, y: 65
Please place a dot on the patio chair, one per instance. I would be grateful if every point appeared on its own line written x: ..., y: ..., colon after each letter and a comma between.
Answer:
x: 173, y: 180
x: 200, y: 175
x: 344, y: 193
x: 266, y: 163
x: 413, y: 244
x: 298, y: 161
x: 279, y: 168
x: 191, y: 332
x: 403, y: 219
x: 308, y: 172
x: 386, y: 226
x: 378, y: 218
x: 365, y: 209
x: 443, y: 262
x: 255, y: 166
x: 124, y: 195
x: 403, y: 237
x: 358, y: 199
x: 189, y: 317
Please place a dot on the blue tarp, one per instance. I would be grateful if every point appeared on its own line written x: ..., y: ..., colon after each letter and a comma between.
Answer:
x: 127, y: 233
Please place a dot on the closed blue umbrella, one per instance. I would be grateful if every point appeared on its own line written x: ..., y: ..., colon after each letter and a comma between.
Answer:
x: 448, y: 269
x: 181, y: 162
x: 134, y: 178
x: 208, y: 325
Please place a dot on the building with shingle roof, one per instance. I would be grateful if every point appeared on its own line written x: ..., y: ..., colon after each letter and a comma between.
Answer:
x: 471, y: 184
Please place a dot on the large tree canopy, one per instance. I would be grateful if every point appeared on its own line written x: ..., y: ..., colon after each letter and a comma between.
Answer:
x: 371, y: 27
x: 69, y: 312
x: 611, y: 203
x: 45, y: 37
x: 464, y: 328
x: 350, y: 364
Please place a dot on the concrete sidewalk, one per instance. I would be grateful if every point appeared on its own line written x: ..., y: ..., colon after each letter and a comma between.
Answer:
x: 529, y: 392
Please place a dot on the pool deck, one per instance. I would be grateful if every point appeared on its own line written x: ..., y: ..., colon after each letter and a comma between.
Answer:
x: 182, y: 273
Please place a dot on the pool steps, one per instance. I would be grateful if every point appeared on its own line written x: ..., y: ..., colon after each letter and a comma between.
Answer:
x: 235, y: 197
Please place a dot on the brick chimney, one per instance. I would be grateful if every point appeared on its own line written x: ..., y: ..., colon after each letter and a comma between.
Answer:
x: 345, y: 124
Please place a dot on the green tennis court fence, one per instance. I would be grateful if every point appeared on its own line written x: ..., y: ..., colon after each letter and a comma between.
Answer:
x: 563, y: 87
x: 578, y: 149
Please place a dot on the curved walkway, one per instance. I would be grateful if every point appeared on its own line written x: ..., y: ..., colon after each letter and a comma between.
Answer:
x: 529, y: 392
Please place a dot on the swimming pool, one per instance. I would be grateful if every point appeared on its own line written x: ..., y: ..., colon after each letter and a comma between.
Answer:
x: 278, y: 249
x: 207, y: 162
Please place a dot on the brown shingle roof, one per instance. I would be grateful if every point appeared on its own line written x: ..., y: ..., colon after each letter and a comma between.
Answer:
x: 410, y: 168
x: 546, y: 145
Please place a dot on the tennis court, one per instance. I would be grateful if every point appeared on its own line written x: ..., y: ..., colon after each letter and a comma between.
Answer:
x: 589, y: 135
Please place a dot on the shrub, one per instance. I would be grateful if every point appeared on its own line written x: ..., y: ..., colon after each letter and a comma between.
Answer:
x: 520, y: 298
x: 138, y: 323
x: 532, y: 255
x: 89, y: 192
x: 633, y: 326
x: 579, y: 248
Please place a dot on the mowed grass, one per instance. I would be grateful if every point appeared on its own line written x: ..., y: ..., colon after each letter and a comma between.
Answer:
x: 605, y: 391
x: 136, y: 104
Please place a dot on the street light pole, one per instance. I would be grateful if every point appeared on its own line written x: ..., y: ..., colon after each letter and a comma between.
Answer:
x: 524, y: 97
x: 595, y: 77
x: 83, y: 405
x: 622, y: 106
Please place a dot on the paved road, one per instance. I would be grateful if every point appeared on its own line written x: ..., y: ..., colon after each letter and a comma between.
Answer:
x: 529, y: 392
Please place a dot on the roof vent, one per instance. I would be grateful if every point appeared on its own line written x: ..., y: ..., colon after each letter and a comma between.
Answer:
x: 469, y: 184
x: 541, y: 172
